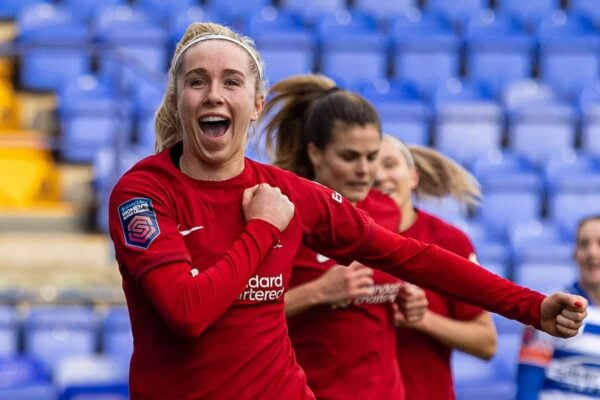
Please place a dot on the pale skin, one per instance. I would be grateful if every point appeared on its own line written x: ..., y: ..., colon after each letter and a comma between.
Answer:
x: 587, y: 256
x: 222, y: 157
x: 347, y: 165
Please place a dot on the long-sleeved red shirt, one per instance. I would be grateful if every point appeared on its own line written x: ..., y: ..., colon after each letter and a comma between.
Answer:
x: 205, y: 289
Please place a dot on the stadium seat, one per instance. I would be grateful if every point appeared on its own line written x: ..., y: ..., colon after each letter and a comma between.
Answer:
x: 457, y: 11
x: 88, y: 10
x: 313, y: 10
x: 447, y: 208
x: 91, y: 117
x: 498, y: 51
x: 24, y: 378
x: 404, y: 113
x: 11, y: 9
x: 528, y: 12
x: 8, y: 331
x: 589, y: 110
x: 569, y: 170
x: 539, y: 240
x: 9, y: 106
x: 286, y: 45
x: 567, y: 208
x: 569, y: 46
x: 163, y: 11
x: 84, y: 371
x: 587, y: 7
x: 425, y: 50
x: 117, y: 341
x: 468, y: 121
x: 507, y: 178
x: 179, y: 22
x: 539, y: 123
x: 352, y: 46
x: 546, y: 277
x: 384, y: 10
x: 236, y: 11
x: 147, y: 99
x: 52, y: 333
x: 55, y: 47
x: 137, y: 46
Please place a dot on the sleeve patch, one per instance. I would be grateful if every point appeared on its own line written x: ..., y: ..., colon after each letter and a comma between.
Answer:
x: 138, y: 221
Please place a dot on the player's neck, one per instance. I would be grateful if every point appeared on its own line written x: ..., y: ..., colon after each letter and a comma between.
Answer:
x: 409, y: 216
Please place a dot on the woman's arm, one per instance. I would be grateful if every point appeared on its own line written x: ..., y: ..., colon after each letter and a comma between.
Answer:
x: 476, y: 336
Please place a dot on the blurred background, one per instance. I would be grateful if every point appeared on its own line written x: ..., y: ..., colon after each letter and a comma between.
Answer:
x: 509, y: 89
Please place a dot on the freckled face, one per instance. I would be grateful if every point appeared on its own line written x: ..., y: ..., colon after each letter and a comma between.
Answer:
x: 347, y: 164
x: 216, y: 101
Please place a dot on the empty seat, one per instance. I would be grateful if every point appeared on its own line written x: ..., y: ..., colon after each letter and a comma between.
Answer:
x: 163, y: 11
x: 24, y: 378
x: 313, y: 10
x: 235, y: 10
x: 55, y: 47
x: 10, y: 9
x: 384, y: 10
x: 569, y: 170
x: 589, y: 109
x: 52, y: 333
x: 137, y: 46
x: 286, y: 45
x: 8, y: 331
x: 88, y: 10
x: 567, y: 208
x: 468, y: 121
x: 545, y: 277
x: 352, y: 46
x: 539, y: 241
x: 117, y: 340
x: 96, y: 392
x: 91, y: 117
x: 569, y: 45
x: 507, y: 179
x: 404, y: 113
x: 147, y: 99
x: 425, y: 49
x: 530, y: 11
x: 458, y: 11
x: 498, y: 50
x: 587, y: 7
x: 446, y: 208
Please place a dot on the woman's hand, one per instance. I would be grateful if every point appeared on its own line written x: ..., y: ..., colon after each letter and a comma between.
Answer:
x: 563, y: 314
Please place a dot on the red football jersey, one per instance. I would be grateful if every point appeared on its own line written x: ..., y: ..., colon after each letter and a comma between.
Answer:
x: 424, y: 361
x: 205, y: 289
x: 349, y: 352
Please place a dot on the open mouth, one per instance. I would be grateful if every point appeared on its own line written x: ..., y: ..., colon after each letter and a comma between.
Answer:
x: 214, y: 126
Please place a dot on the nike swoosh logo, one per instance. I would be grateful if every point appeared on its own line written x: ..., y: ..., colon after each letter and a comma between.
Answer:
x: 321, y: 258
x: 192, y: 229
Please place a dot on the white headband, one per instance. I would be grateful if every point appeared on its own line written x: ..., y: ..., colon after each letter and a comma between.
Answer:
x: 219, y: 37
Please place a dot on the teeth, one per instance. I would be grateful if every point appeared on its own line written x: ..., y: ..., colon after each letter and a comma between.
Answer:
x: 213, y: 118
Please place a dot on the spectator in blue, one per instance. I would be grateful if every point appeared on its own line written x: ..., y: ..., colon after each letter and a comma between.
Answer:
x: 551, y: 368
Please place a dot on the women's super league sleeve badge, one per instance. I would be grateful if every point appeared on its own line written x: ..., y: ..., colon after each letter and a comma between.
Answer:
x: 138, y: 220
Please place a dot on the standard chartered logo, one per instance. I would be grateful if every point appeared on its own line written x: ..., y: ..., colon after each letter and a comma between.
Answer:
x: 263, y: 288
x: 385, y: 293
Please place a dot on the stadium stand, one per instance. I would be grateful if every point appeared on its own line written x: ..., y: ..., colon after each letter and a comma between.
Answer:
x: 508, y: 88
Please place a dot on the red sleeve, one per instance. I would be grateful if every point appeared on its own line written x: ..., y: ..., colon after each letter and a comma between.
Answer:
x: 432, y: 267
x: 192, y: 301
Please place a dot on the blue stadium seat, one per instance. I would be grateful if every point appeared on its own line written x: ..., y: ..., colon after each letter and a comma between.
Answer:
x: 507, y: 178
x: 569, y: 46
x: 527, y: 91
x: 24, y: 378
x: 528, y: 11
x: 10, y: 9
x: 385, y: 10
x: 468, y: 121
x: 138, y: 46
x: 117, y: 340
x: 313, y: 10
x: 87, y: 10
x: 447, y: 208
x: 494, y: 256
x: 425, y: 50
x: 52, y: 333
x: 539, y: 123
x: 96, y: 392
x: 179, y: 22
x: 457, y: 11
x: 352, y: 46
x: 569, y: 170
x: 587, y: 7
x: 589, y: 109
x: 286, y: 45
x: 546, y: 277
x: 567, y: 208
x: 163, y: 11
x: 539, y: 240
x: 93, y: 369
x: 498, y: 50
x: 55, y: 47
x: 235, y: 11
x: 147, y: 99
x: 9, y: 331
x: 91, y: 117
x: 404, y: 113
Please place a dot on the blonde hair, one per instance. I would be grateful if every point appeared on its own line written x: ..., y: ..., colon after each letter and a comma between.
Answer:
x: 309, y: 109
x: 167, y: 125
x: 439, y: 176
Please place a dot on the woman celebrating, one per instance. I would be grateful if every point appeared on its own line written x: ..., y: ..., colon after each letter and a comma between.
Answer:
x: 205, y: 240
x: 426, y: 345
x: 341, y: 319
